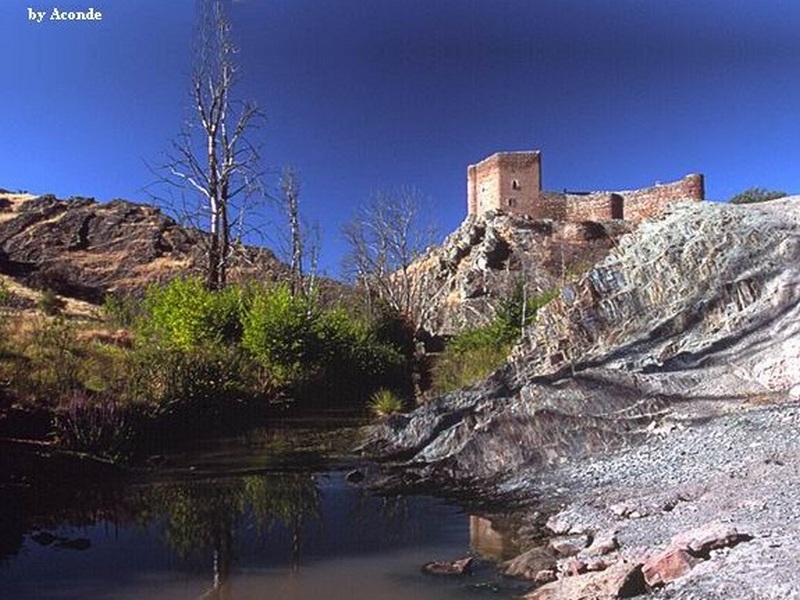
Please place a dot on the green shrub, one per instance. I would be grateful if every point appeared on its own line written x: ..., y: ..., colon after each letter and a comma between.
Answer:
x: 204, y: 379
x: 756, y: 194
x: 279, y: 331
x: 475, y: 353
x: 50, y: 303
x: 122, y: 311
x: 52, y: 368
x: 385, y: 402
x: 185, y: 314
x: 5, y: 294
x: 297, y: 342
x: 455, y: 369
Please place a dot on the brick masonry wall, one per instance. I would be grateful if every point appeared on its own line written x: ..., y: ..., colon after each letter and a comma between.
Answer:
x: 591, y: 207
x: 648, y: 202
x: 632, y: 205
x: 511, y: 182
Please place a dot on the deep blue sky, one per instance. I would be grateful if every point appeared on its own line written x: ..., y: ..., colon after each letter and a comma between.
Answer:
x: 363, y: 95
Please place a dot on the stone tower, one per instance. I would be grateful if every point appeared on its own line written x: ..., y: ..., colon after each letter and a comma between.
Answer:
x: 511, y: 181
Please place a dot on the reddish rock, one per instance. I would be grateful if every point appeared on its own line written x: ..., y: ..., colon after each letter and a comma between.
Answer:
x: 569, y: 545
x: 668, y: 566
x: 545, y: 576
x: 558, y: 524
x: 572, y: 566
x: 701, y: 540
x: 598, y: 563
x: 604, y: 542
x: 528, y: 564
x: 457, y: 567
x: 621, y: 580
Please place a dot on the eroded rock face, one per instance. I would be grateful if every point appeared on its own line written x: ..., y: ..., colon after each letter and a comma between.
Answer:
x: 84, y: 249
x: 702, y: 303
x: 460, y: 283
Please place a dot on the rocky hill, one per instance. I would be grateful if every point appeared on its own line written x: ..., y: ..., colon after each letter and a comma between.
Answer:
x: 83, y: 249
x: 704, y: 302
x: 673, y: 363
x: 460, y: 283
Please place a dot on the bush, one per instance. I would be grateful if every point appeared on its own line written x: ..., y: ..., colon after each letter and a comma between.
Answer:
x: 756, y: 194
x: 5, y: 294
x: 98, y: 426
x: 171, y: 379
x: 475, y: 353
x: 122, y: 311
x: 185, y: 315
x: 50, y: 303
x: 297, y: 342
x: 385, y: 402
x: 279, y: 331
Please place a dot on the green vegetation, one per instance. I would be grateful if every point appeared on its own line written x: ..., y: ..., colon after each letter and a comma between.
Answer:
x: 385, y: 402
x: 193, y: 359
x: 5, y: 294
x: 49, y: 303
x: 756, y: 194
x: 473, y: 354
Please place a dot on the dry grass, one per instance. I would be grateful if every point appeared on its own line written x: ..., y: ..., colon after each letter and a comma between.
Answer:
x: 15, y: 202
x: 73, y: 309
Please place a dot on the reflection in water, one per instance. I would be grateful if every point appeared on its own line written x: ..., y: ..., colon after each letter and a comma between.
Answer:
x: 204, y: 517
x: 259, y: 517
x: 487, y: 542
x: 286, y: 535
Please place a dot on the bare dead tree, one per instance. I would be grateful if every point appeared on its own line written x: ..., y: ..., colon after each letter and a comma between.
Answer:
x: 299, y: 243
x: 385, y: 238
x: 213, y: 158
x: 290, y: 188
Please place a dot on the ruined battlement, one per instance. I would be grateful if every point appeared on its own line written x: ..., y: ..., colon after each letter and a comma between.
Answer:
x: 512, y: 182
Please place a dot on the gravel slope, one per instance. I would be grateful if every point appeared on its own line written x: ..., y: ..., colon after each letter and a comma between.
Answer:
x: 740, y: 466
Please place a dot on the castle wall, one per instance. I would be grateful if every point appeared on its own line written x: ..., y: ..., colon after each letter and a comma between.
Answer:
x: 588, y: 207
x: 512, y: 182
x: 648, y: 202
x: 509, y: 181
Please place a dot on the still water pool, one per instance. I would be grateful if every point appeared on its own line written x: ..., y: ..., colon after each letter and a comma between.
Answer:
x: 222, y: 528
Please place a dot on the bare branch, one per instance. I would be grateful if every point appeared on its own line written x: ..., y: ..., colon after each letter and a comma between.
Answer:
x: 212, y: 157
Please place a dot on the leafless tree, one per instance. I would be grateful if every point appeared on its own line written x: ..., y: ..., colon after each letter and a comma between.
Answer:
x: 290, y: 188
x: 299, y: 242
x: 213, y: 158
x: 385, y: 237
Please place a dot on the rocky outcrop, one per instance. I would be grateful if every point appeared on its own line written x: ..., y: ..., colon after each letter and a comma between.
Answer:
x: 460, y: 283
x: 704, y: 303
x: 83, y: 249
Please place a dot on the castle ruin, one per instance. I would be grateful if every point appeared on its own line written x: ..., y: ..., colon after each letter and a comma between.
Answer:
x: 512, y: 182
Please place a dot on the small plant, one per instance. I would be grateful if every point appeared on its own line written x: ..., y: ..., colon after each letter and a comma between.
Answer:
x: 475, y: 353
x: 756, y: 194
x: 5, y: 294
x: 385, y: 402
x: 100, y: 427
x: 121, y: 311
x: 50, y: 303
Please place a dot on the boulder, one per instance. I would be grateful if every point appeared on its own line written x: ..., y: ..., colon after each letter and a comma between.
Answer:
x: 530, y: 563
x: 621, y: 580
x: 667, y: 566
x: 462, y: 566
x: 569, y: 545
x: 711, y: 536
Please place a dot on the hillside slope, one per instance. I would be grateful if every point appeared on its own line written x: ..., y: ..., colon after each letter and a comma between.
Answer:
x: 82, y: 249
x: 461, y: 283
x: 701, y: 304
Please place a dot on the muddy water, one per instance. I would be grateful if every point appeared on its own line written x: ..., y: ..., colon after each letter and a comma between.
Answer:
x: 237, y: 520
